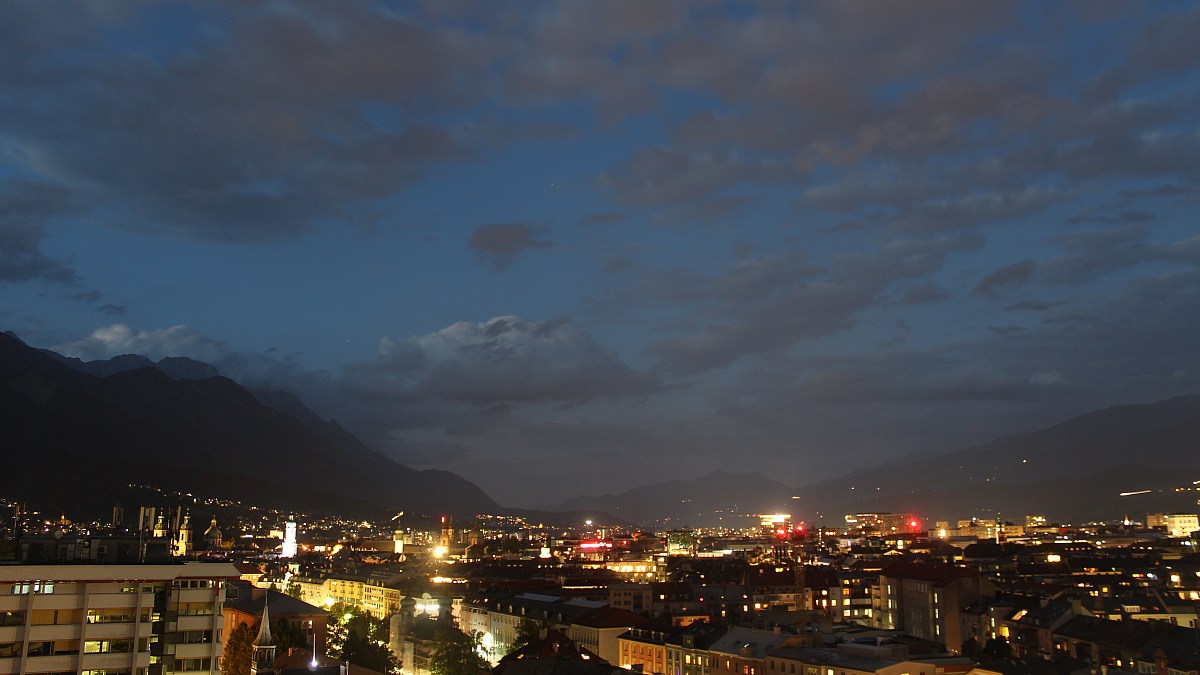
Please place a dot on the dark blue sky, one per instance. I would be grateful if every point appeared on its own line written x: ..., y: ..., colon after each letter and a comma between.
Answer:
x: 577, y: 247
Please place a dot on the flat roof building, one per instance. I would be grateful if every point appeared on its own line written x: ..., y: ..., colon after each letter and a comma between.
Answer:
x: 112, y: 619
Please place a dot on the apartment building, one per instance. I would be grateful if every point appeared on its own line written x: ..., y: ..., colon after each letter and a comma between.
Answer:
x: 112, y: 619
x: 927, y: 600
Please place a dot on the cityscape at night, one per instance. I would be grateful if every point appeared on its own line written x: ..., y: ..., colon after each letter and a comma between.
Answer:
x: 462, y: 337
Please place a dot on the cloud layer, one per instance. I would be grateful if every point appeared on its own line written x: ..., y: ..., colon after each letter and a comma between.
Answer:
x: 808, y: 237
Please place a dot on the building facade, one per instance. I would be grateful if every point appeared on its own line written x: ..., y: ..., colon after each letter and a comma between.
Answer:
x: 112, y: 619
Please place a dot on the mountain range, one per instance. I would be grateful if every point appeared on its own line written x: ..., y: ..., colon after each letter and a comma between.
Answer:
x: 74, y: 433
x: 1073, y: 471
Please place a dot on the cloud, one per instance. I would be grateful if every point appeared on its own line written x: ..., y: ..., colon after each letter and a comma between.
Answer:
x: 155, y: 344
x: 975, y: 209
x: 95, y: 297
x: 604, y: 218
x: 255, y: 370
x: 1031, y: 305
x: 617, y: 263
x: 673, y: 176
x: 1101, y: 252
x: 1049, y: 378
x: 1006, y: 278
x: 193, y: 142
x: 923, y: 295
x: 989, y: 385
x: 349, y: 105
x: 501, y: 243
x: 761, y: 307
x: 504, y: 360
x: 25, y: 206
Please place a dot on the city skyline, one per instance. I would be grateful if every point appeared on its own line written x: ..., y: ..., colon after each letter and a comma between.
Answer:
x: 529, y: 245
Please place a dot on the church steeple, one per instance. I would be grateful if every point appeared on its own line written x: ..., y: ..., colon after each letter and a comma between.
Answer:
x: 264, y: 646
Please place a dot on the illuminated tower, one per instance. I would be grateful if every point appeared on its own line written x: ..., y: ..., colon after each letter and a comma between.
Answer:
x: 212, y: 536
x: 160, y: 526
x: 289, y: 539
x: 182, y: 542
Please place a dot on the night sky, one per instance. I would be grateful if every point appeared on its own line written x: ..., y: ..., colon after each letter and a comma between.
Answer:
x: 579, y: 247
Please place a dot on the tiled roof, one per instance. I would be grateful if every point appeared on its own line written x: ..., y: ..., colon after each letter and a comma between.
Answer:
x: 609, y: 617
x: 937, y: 574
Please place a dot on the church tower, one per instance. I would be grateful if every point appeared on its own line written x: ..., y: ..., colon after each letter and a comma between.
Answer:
x: 212, y: 536
x: 182, y: 544
x: 264, y: 647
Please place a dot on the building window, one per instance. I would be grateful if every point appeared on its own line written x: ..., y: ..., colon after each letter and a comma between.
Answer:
x: 110, y: 615
x: 191, y: 665
x: 195, y: 609
x: 194, y: 637
x: 27, y: 587
x: 10, y: 650
x: 107, y: 646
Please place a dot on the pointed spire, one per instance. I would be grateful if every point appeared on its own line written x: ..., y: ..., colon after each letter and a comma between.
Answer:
x: 264, y: 631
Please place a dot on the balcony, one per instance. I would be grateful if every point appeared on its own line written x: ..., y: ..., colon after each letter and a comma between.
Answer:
x: 69, y: 631
x: 195, y: 623
x: 194, y: 651
x: 101, y: 661
x: 114, y: 600
x: 196, y: 595
x: 49, y: 664
x: 57, y: 601
x: 100, y: 631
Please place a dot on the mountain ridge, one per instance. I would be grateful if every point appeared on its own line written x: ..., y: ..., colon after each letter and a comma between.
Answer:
x: 210, y: 435
x: 1072, y: 470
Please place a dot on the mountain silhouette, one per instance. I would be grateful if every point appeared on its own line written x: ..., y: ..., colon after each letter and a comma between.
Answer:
x: 75, y: 440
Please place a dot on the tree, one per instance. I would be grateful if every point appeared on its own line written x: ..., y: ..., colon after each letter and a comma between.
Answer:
x: 285, y: 634
x: 361, y: 639
x: 239, y: 650
x: 293, y: 589
x: 528, y: 630
x: 361, y: 650
x: 997, y: 648
x: 457, y: 653
x: 970, y: 649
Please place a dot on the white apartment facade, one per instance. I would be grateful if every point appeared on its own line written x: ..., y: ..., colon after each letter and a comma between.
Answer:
x: 112, y: 619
